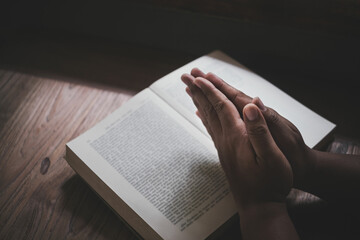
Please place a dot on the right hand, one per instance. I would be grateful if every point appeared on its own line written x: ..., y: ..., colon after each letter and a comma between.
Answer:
x: 286, y: 135
x: 257, y: 171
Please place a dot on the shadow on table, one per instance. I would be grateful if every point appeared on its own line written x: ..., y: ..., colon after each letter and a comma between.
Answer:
x: 316, y: 219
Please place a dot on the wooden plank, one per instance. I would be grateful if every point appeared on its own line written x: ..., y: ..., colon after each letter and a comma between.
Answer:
x: 40, y: 195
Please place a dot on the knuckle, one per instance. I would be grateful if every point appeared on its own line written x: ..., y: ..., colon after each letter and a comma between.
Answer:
x: 258, y: 130
x: 240, y: 98
x: 219, y: 106
x: 236, y: 96
x: 220, y: 84
x: 273, y: 116
x: 208, y: 110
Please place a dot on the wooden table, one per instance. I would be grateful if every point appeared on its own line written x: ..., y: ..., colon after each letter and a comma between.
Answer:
x: 41, y: 197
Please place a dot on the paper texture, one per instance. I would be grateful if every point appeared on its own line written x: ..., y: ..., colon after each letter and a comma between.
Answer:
x: 161, y: 166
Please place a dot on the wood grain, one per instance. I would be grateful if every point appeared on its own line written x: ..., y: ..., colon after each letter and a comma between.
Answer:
x: 40, y: 195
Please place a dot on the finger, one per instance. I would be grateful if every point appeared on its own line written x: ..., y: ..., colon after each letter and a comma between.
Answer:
x: 259, y: 134
x: 278, y: 125
x: 209, y: 117
x: 206, y: 124
x: 188, y: 80
x: 225, y: 110
x: 202, y: 118
x: 239, y: 98
x: 271, y: 116
x: 187, y: 90
x: 197, y: 73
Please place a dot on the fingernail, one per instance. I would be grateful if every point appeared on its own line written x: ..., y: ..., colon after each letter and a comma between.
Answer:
x: 251, y: 113
x: 260, y: 104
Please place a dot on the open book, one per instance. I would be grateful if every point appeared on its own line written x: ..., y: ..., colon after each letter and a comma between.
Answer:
x: 153, y: 162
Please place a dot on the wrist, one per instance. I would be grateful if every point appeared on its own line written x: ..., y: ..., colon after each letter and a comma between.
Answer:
x: 305, y: 176
x: 308, y: 175
x: 268, y: 220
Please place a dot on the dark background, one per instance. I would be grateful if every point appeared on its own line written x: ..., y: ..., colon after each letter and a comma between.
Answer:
x: 309, y: 49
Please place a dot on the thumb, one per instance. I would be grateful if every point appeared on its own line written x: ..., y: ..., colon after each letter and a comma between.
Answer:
x: 276, y: 122
x: 259, y: 134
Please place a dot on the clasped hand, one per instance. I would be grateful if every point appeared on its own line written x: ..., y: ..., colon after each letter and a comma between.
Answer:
x: 262, y: 153
x: 255, y: 145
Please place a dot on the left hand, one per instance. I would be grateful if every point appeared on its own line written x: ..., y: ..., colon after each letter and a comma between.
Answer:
x: 257, y: 171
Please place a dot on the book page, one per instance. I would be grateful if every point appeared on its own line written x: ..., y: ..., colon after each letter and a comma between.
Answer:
x: 161, y: 166
x: 312, y: 126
